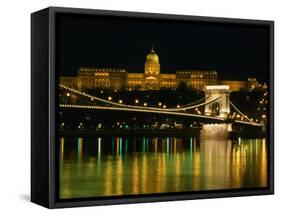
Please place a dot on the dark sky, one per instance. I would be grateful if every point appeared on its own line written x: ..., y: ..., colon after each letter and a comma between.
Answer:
x: 235, y: 51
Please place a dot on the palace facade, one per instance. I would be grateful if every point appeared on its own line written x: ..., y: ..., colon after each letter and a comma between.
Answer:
x: 150, y: 79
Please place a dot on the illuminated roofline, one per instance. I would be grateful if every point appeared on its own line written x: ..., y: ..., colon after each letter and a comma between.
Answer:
x: 217, y: 87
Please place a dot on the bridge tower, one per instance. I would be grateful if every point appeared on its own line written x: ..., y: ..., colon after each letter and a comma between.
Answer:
x: 221, y: 106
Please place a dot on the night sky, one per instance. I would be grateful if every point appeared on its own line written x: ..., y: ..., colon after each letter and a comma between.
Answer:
x: 235, y: 51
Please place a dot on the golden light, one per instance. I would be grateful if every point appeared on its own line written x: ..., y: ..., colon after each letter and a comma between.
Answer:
x: 110, y: 98
x: 145, y: 104
x: 120, y: 101
x: 178, y: 106
x: 136, y: 101
x: 159, y: 104
x: 263, y: 116
x: 67, y: 94
x: 164, y: 106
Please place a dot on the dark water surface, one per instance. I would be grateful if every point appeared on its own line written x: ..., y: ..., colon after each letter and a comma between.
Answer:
x: 95, y: 167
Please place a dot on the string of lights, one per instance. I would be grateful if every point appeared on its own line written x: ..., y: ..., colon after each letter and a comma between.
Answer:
x: 242, y: 114
x: 138, y: 110
x: 183, y: 108
x: 171, y: 111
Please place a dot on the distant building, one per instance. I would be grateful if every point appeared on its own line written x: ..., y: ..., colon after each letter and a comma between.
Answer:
x: 234, y: 85
x: 252, y: 83
x: 197, y: 79
x: 151, y: 79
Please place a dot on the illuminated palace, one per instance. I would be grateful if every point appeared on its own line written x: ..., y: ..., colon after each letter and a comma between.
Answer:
x: 151, y: 79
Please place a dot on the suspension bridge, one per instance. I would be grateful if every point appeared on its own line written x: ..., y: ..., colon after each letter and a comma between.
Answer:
x: 216, y: 103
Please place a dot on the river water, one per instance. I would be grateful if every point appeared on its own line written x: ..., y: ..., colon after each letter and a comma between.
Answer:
x: 95, y: 167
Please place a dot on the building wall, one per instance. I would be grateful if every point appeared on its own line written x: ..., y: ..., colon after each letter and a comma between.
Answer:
x: 168, y: 81
x: 119, y: 78
x: 89, y: 78
x: 197, y: 79
x: 235, y: 85
x: 152, y: 73
x: 151, y: 78
x: 135, y: 81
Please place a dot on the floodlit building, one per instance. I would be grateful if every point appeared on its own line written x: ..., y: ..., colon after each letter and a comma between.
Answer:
x: 150, y: 79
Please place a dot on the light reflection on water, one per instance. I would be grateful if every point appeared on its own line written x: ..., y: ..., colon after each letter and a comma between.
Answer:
x: 124, y: 166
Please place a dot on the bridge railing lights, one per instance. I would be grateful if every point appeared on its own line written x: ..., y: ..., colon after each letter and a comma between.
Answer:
x: 183, y: 108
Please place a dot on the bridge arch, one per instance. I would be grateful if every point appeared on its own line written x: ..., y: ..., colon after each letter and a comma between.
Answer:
x: 221, y: 106
x: 215, y: 109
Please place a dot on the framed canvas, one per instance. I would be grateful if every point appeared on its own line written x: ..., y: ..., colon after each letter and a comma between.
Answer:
x: 140, y: 107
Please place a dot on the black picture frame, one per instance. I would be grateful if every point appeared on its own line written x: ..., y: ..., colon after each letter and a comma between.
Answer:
x: 44, y: 88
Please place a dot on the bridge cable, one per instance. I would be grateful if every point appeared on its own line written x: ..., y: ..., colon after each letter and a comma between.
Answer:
x: 239, y: 111
x: 138, y: 107
x: 138, y: 110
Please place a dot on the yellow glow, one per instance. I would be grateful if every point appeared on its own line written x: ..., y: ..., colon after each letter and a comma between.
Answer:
x: 216, y: 87
x: 101, y: 74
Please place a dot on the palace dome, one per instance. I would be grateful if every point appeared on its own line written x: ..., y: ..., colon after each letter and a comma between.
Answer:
x: 152, y: 57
